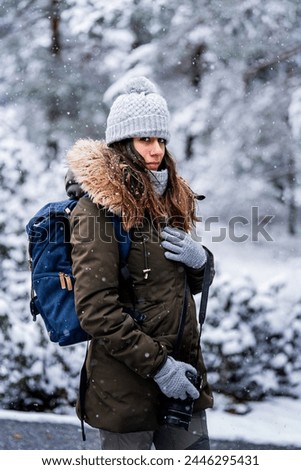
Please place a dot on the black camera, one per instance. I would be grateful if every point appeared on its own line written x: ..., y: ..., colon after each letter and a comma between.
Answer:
x: 178, y: 412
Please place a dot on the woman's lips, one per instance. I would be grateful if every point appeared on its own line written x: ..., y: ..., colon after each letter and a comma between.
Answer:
x: 152, y: 166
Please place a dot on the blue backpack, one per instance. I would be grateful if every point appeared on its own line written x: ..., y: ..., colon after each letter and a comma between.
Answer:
x: 52, y: 282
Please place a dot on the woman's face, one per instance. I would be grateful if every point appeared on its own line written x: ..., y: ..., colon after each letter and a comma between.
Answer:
x: 152, y: 149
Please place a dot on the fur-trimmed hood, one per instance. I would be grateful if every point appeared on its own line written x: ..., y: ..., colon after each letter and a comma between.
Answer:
x: 99, y: 172
x: 111, y: 183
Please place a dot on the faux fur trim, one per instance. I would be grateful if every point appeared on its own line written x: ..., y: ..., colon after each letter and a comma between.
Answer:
x: 97, y: 169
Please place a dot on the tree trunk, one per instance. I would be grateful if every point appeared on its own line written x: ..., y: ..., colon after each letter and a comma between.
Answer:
x: 196, y: 65
x: 54, y: 111
x: 292, y: 207
x: 189, y: 147
x: 55, y: 27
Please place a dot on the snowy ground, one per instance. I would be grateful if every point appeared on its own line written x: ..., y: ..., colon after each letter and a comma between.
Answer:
x: 276, y: 421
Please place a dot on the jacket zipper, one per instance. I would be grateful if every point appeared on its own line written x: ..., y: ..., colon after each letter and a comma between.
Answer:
x: 65, y: 281
x: 146, y: 269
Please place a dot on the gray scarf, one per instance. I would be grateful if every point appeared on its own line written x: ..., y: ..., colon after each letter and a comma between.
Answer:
x: 159, y: 180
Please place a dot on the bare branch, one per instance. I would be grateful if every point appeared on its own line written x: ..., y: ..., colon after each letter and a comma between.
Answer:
x: 267, y: 63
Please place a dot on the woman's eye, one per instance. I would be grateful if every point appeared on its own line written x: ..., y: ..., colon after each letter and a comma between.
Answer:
x: 149, y: 139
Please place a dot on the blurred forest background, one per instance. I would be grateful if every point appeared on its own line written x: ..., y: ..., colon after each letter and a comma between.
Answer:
x: 230, y: 72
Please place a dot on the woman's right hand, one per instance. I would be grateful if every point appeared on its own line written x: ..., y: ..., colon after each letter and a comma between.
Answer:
x: 173, y: 381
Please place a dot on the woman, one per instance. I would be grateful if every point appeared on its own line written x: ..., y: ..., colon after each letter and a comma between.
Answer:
x: 133, y: 319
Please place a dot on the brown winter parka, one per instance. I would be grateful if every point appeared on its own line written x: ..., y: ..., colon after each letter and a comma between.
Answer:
x: 121, y: 395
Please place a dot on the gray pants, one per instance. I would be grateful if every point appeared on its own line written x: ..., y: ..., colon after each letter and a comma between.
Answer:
x: 164, y: 438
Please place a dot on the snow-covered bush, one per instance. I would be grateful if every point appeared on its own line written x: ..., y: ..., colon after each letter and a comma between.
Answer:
x: 251, y: 340
x: 34, y: 374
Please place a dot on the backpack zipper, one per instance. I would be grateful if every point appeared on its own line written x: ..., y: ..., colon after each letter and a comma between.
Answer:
x: 65, y: 281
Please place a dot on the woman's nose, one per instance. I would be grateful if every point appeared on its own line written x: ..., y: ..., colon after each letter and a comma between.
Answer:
x: 155, y: 148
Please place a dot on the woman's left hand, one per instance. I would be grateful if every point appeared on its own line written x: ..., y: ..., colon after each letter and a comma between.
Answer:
x: 181, y: 247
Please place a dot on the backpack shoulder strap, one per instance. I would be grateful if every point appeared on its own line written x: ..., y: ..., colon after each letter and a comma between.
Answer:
x: 208, y: 277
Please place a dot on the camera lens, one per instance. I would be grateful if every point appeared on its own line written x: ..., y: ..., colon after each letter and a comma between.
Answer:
x: 178, y: 413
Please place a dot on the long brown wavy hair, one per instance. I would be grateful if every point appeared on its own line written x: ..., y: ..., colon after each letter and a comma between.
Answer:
x: 175, y: 207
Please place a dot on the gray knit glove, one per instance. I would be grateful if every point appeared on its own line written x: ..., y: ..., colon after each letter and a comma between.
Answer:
x: 181, y: 247
x: 173, y: 382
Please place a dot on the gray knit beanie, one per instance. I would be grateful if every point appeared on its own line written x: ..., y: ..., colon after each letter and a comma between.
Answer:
x: 139, y: 112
